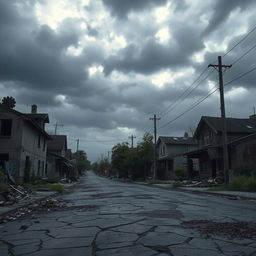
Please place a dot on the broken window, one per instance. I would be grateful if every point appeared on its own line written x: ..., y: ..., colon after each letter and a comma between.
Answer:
x: 5, y: 127
x: 38, y: 168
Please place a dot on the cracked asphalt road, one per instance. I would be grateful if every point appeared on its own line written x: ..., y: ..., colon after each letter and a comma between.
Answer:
x: 127, y: 219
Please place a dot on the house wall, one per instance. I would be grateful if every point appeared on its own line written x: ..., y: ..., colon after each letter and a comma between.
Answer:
x: 34, y: 151
x: 244, y: 154
x: 11, y: 145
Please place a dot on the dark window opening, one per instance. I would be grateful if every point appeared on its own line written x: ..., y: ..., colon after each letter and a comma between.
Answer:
x: 44, y: 145
x: 6, y: 127
x: 3, y: 158
x: 38, y: 168
x: 39, y: 141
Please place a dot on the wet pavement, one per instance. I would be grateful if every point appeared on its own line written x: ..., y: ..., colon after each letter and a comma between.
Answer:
x: 104, y: 217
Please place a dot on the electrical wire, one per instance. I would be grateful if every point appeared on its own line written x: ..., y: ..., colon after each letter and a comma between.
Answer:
x: 238, y: 59
x: 207, y: 96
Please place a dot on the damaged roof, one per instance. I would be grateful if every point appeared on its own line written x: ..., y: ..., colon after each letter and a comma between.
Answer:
x: 178, y: 140
x: 234, y: 125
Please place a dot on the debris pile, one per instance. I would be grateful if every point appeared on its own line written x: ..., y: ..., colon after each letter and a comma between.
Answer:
x: 203, y: 183
x: 13, y: 194
x: 239, y: 229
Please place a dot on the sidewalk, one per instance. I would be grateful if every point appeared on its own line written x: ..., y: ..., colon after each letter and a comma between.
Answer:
x: 205, y: 190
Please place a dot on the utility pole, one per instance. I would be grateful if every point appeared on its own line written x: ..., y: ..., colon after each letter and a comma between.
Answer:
x: 77, y: 147
x: 154, y: 118
x: 56, y: 127
x: 109, y: 155
x: 132, y: 137
x: 219, y: 67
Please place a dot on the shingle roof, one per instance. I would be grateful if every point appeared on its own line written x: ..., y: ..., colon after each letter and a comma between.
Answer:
x: 42, y: 116
x: 178, y: 140
x: 234, y: 125
x: 57, y: 143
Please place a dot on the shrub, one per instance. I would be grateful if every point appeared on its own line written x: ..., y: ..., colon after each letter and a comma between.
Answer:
x: 152, y: 182
x: 180, y: 173
x: 53, y: 179
x: 243, y: 183
x: 177, y: 184
x: 56, y: 187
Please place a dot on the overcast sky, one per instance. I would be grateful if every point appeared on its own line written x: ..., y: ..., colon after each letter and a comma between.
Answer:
x: 102, y: 68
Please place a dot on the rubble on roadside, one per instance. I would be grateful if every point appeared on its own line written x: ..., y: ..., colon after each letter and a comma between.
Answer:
x: 13, y: 194
x: 239, y: 229
x: 203, y: 183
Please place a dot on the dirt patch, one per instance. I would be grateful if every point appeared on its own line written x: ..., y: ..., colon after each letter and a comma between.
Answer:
x: 240, y: 229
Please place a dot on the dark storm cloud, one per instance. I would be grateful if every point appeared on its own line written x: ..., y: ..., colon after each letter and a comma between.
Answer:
x: 222, y: 10
x: 124, y: 7
x: 154, y: 56
x: 35, y: 56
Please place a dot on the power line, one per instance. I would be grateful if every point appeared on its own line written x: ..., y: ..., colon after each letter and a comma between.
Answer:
x: 193, y: 89
x: 213, y: 90
x: 190, y: 108
x: 166, y: 110
x: 240, y: 41
x: 238, y: 59
x: 240, y: 76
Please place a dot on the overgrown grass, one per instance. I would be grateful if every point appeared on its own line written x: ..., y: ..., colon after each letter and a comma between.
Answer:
x: 152, y: 182
x: 242, y: 183
x: 52, y: 187
x: 238, y: 183
x: 177, y: 184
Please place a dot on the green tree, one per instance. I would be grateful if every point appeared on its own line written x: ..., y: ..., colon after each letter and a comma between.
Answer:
x: 83, y: 163
x: 120, y: 159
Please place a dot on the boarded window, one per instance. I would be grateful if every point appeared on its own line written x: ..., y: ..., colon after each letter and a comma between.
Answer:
x: 6, y: 127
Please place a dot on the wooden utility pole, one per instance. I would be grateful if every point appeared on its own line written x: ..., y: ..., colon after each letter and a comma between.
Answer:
x: 219, y: 67
x: 132, y: 137
x: 154, y: 170
x: 77, y: 157
x: 56, y: 127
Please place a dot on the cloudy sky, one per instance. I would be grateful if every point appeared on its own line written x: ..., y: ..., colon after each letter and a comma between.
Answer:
x: 102, y: 68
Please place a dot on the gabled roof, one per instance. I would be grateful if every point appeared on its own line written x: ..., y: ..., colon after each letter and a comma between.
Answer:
x: 57, y: 143
x: 27, y: 119
x: 40, y: 116
x: 234, y: 125
x: 177, y: 140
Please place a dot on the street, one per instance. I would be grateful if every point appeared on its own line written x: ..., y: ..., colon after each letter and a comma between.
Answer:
x: 106, y: 217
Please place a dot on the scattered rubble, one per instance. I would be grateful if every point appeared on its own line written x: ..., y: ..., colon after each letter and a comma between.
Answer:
x: 203, y: 183
x: 240, y: 229
x: 13, y: 194
x: 45, y: 205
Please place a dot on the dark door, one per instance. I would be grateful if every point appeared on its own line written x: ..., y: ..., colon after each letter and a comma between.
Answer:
x: 213, y: 168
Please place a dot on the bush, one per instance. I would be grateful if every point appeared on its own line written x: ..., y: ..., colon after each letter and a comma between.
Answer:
x: 53, y: 179
x: 243, y: 183
x: 56, y: 187
x: 177, y: 184
x: 152, y: 182
x: 180, y: 173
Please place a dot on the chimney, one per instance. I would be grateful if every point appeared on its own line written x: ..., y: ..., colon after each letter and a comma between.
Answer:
x: 34, y: 109
x: 253, y: 117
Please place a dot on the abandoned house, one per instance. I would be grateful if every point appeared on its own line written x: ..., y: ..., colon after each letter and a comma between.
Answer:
x: 58, y: 163
x: 170, y: 154
x: 23, y: 142
x: 241, y: 144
